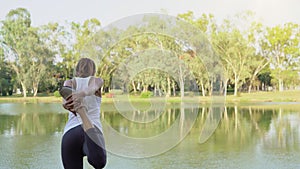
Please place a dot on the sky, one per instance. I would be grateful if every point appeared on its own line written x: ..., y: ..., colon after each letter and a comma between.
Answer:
x: 269, y: 12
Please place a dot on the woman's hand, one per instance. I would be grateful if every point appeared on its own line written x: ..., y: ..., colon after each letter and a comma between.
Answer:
x: 68, y: 105
x: 75, y: 100
x: 77, y: 97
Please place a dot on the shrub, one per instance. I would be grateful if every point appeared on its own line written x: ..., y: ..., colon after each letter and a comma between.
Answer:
x: 146, y: 94
x: 56, y: 94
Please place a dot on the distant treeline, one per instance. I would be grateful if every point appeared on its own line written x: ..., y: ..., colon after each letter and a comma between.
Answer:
x: 248, y: 55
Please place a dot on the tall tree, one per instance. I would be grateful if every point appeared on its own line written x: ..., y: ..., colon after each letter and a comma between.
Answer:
x: 234, y: 51
x: 7, y: 75
x: 260, y: 59
x: 282, y: 47
x: 201, y: 58
x: 84, y: 34
x: 31, y: 54
x: 55, y: 45
x: 76, y: 43
x: 15, y: 31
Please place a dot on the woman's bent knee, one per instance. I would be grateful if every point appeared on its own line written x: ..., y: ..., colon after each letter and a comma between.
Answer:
x: 98, y: 163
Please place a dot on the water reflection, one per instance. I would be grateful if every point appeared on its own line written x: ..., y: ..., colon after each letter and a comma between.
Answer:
x: 274, y: 127
x: 245, y: 135
x: 31, y: 119
x: 31, y: 124
x: 239, y: 127
x: 138, y: 139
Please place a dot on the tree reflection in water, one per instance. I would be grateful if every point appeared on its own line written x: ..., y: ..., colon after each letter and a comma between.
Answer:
x: 253, y: 136
x: 239, y: 125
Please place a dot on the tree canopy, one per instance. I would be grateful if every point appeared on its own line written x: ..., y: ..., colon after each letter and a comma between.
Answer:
x: 182, y: 54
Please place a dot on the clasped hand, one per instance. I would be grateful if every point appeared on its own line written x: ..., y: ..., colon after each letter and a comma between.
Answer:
x: 74, y: 102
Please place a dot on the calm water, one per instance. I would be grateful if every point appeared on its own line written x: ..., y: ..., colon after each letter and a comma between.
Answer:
x: 246, y: 136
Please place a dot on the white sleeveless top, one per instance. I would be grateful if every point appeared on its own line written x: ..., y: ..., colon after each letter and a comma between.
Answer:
x: 93, y: 106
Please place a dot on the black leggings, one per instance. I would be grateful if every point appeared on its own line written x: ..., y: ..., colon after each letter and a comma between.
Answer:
x: 76, y: 144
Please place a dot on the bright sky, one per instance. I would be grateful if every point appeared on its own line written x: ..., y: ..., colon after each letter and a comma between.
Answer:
x: 270, y: 12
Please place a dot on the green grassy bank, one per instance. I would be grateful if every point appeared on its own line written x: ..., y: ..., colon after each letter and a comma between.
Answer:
x: 285, y: 96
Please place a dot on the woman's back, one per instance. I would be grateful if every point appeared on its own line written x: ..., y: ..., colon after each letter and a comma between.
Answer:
x: 92, y: 103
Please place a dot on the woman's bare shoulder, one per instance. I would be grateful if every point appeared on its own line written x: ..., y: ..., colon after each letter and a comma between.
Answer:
x: 68, y: 82
x: 97, y: 80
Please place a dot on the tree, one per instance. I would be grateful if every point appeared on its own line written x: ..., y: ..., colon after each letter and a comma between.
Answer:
x: 54, y: 40
x: 84, y: 34
x: 31, y: 54
x: 16, y: 33
x: 259, y: 60
x: 282, y: 48
x: 202, y: 60
x: 6, y: 76
x: 41, y: 57
x: 205, y: 22
x: 265, y: 78
x: 235, y: 52
x: 73, y: 42
x: 135, y: 40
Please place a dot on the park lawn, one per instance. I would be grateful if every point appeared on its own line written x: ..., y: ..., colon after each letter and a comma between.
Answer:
x: 38, y: 99
x: 285, y: 96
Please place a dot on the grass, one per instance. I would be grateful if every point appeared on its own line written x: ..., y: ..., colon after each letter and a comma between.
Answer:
x: 38, y: 99
x: 285, y: 96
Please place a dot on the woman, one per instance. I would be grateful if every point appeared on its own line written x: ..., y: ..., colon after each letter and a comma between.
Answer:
x: 83, y: 132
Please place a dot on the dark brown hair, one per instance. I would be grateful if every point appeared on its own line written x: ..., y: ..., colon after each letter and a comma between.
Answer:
x: 85, y: 68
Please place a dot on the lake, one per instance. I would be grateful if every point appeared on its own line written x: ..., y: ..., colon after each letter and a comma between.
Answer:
x: 263, y: 135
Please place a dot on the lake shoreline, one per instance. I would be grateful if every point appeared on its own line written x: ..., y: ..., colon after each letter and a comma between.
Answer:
x: 256, y: 97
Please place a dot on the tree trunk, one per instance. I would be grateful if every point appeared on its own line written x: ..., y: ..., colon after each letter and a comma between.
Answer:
x: 181, y: 81
x: 169, y: 86
x: 257, y: 70
x: 138, y: 86
x: 133, y: 86
x: 280, y: 84
x: 181, y: 88
x: 174, y: 89
x: 202, y: 88
x: 24, y: 89
x: 225, y: 87
x: 251, y: 82
x: 235, y: 84
x: 221, y: 88
x: 145, y: 87
x: 161, y: 92
x: 35, y: 89
x: 211, y: 88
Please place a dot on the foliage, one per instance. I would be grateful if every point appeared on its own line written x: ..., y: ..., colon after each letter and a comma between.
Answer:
x: 146, y: 94
x: 25, y: 51
x: 6, y: 77
x: 56, y: 94
x: 281, y: 43
x: 160, y: 56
